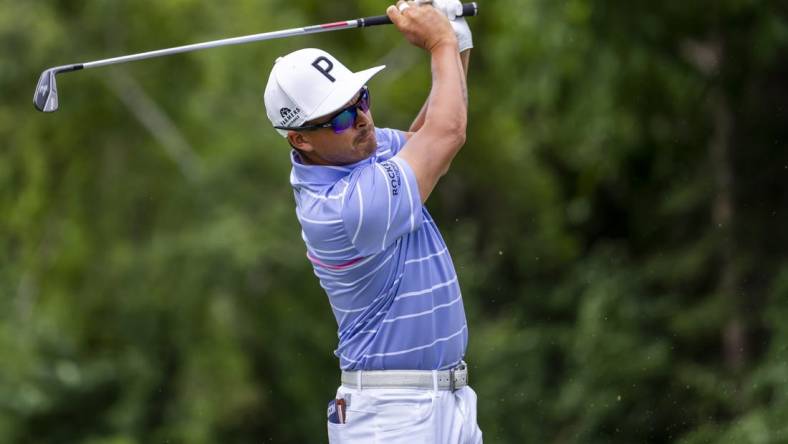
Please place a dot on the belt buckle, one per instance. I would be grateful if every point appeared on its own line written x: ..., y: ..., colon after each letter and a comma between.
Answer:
x: 452, y: 387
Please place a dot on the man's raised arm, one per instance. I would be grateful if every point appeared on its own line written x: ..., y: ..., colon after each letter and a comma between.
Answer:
x: 465, y: 57
x: 430, y: 150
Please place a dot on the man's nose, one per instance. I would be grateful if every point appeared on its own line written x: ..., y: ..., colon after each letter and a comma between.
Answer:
x: 362, y: 119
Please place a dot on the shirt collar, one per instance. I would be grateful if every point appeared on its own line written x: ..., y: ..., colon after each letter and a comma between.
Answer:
x: 320, y: 175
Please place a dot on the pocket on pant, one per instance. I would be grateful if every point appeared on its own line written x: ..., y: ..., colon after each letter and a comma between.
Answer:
x: 359, y: 428
x: 335, y: 432
x: 359, y: 425
x: 466, y: 399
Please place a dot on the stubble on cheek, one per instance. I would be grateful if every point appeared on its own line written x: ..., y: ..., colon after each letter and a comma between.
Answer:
x: 367, y: 144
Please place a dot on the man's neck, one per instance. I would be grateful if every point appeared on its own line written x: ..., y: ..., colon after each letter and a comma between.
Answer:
x: 308, y: 159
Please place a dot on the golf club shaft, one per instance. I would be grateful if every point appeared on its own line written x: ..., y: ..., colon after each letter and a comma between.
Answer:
x: 469, y: 9
x: 45, y: 97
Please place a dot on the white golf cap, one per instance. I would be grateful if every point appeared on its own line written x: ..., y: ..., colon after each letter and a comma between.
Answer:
x: 310, y: 83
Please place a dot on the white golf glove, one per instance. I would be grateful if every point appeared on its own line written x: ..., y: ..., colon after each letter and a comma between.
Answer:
x: 451, y: 9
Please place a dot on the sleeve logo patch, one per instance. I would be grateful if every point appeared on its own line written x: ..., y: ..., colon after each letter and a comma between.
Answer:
x: 392, y: 172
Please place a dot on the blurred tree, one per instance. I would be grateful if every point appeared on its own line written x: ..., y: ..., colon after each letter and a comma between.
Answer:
x: 616, y: 217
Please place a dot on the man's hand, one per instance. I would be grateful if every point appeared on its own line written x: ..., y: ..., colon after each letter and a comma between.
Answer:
x: 422, y: 25
x: 451, y: 9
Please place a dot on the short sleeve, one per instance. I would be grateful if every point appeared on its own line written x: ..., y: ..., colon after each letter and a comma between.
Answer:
x: 381, y: 205
x: 390, y: 141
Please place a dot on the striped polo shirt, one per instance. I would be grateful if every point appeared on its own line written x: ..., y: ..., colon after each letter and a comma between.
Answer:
x: 380, y: 258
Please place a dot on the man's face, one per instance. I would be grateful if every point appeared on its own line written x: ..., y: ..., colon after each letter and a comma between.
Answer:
x: 325, y: 147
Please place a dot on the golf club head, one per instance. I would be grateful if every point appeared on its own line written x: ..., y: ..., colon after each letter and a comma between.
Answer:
x: 45, y: 97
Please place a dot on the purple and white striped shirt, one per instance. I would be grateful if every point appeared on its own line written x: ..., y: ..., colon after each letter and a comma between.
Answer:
x: 382, y: 261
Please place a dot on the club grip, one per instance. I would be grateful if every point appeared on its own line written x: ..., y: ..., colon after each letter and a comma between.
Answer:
x: 468, y: 10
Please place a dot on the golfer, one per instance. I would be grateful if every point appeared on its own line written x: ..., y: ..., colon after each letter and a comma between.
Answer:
x: 360, y: 194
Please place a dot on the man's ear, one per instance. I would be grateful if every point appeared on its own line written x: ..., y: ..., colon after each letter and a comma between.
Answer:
x: 299, y: 141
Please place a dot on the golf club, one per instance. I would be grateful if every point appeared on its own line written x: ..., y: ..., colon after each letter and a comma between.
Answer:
x: 45, y: 97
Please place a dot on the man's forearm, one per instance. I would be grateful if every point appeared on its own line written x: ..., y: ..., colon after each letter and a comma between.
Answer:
x: 419, y: 121
x: 430, y: 150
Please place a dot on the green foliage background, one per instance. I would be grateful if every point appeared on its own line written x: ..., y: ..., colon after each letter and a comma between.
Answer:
x: 617, y: 218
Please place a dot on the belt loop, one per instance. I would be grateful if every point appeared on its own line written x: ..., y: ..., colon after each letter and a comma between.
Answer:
x: 358, y: 379
x: 451, y: 381
x: 435, y: 381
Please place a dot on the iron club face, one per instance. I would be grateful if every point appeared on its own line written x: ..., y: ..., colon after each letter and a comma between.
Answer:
x: 45, y: 97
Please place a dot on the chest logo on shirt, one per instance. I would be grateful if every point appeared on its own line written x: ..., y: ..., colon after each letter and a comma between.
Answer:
x: 392, y: 172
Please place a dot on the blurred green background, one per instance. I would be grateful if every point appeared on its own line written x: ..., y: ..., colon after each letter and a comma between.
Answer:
x: 617, y: 218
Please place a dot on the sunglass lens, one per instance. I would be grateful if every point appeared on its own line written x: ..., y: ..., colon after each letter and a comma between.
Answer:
x: 344, y: 120
x: 364, y: 103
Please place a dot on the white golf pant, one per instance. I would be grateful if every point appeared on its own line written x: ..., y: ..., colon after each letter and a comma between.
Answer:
x: 412, y: 416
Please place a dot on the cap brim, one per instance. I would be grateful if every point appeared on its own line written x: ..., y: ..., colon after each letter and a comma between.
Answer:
x: 344, y: 92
